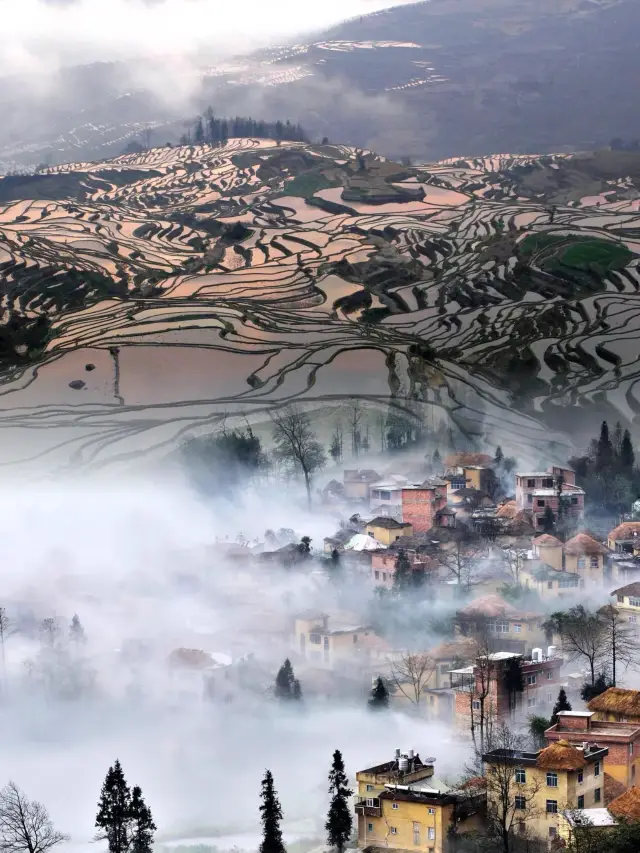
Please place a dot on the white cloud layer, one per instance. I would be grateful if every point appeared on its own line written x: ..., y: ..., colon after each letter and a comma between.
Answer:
x: 40, y: 34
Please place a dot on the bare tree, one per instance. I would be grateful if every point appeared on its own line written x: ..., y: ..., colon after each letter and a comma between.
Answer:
x: 145, y: 136
x: 49, y: 632
x: 461, y: 559
x: 619, y: 639
x: 481, y: 707
x: 411, y: 673
x: 513, y: 560
x: 511, y: 793
x: 6, y: 630
x: 354, y: 422
x: 25, y: 824
x: 296, y: 443
x: 583, y: 634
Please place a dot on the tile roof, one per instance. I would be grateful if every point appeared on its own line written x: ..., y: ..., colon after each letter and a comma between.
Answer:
x: 388, y: 522
x: 627, y: 530
x: 617, y: 700
x: 627, y: 805
x: 631, y: 589
x: 547, y: 541
x: 582, y: 543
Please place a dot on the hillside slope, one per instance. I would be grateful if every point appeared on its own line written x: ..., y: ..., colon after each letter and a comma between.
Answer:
x: 186, y: 284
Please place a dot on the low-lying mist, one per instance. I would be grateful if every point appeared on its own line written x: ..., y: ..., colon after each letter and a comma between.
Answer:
x: 137, y: 561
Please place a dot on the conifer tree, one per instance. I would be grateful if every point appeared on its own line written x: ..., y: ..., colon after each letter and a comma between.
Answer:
x: 437, y: 459
x: 604, y: 451
x: 76, y: 631
x: 562, y: 704
x: 627, y: 455
x: 296, y: 690
x: 142, y: 825
x: 402, y: 575
x: 339, y: 820
x: 114, y: 806
x: 499, y: 457
x: 270, y: 815
x: 287, y: 686
x: 548, y: 520
x: 379, y: 700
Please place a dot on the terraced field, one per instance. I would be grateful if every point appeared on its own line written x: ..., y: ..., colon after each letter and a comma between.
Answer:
x: 187, y: 285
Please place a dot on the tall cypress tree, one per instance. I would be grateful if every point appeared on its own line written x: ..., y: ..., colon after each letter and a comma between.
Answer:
x: 142, y: 825
x: 627, y: 455
x: 379, y: 700
x: 498, y: 459
x: 339, y: 820
x: 270, y: 815
x: 113, y: 818
x: 562, y: 704
x: 287, y: 686
x: 604, y: 451
x: 402, y: 575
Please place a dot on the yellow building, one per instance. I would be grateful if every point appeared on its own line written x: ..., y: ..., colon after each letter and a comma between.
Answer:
x: 329, y: 644
x: 548, y: 549
x: 585, y: 556
x: 628, y: 603
x: 402, y: 805
x: 545, y: 783
x: 548, y: 582
x: 387, y: 530
x: 616, y: 705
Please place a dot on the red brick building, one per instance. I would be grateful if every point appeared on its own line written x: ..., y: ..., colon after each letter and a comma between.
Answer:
x: 621, y: 739
x: 482, y: 688
x: 538, y: 490
x: 383, y: 566
x: 420, y: 504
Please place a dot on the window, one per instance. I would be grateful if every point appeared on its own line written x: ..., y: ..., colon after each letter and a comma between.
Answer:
x: 521, y: 776
x: 552, y: 832
x: 580, y: 777
x: 581, y: 562
x: 540, y: 503
x: 371, y: 788
x: 621, y: 599
x: 522, y: 828
x: 549, y: 675
x: 432, y: 811
x: 552, y: 780
x: 531, y: 484
x: 416, y: 833
x: 634, y: 602
x: 547, y: 484
x: 394, y: 830
x: 530, y: 499
x: 326, y: 644
x: 355, y: 638
x: 549, y: 697
x: 566, y: 584
x: 630, y: 749
x: 499, y: 626
x: 476, y: 704
x: 384, y: 576
x: 596, y: 768
x: 552, y: 807
x: 581, y: 801
x: 531, y: 679
x: 596, y: 795
x: 574, y: 500
x: 531, y: 702
x: 385, y: 496
x: 315, y: 639
x: 521, y: 803
x: 517, y: 628
x: 369, y: 827
x: 594, y: 563
x: 633, y: 619
x: 549, y: 584
x: 432, y: 833
x: 395, y: 806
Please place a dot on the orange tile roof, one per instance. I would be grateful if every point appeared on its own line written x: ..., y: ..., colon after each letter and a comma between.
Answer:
x: 508, y: 510
x: 627, y: 805
x: 582, y: 543
x: 627, y: 530
x: 488, y: 605
x: 561, y: 756
x: 547, y: 541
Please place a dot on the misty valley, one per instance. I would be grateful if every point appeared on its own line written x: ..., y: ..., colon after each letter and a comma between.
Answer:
x: 320, y: 503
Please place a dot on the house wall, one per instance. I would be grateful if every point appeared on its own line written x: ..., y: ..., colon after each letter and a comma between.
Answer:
x: 549, y: 588
x: 388, y: 536
x: 419, y: 508
x: 377, y: 831
x: 550, y: 555
x: 590, y: 568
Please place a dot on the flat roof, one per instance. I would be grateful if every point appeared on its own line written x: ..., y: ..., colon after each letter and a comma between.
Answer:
x: 589, y: 817
x: 575, y: 713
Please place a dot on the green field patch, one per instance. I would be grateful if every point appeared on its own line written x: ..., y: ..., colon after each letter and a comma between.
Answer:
x: 537, y: 242
x: 586, y: 254
x: 304, y: 186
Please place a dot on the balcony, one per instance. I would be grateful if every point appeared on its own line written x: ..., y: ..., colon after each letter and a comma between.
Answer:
x: 369, y: 806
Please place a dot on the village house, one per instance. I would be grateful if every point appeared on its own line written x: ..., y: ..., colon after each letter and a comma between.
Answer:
x: 468, y: 471
x: 624, y: 568
x: 538, y: 490
x: 584, y: 556
x: 548, y: 582
x: 402, y: 805
x: 417, y: 504
x: 482, y: 688
x: 625, y: 538
x: 329, y: 644
x: 357, y: 484
x: 596, y: 822
x: 628, y: 603
x: 383, y: 567
x: 387, y: 530
x: 506, y: 628
x: 548, y: 549
x: 616, y: 705
x: 558, y: 777
x: 621, y: 739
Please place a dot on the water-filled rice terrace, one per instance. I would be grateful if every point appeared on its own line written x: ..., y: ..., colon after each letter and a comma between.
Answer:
x: 148, y: 298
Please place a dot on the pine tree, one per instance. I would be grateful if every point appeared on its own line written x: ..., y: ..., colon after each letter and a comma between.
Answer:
x: 604, y: 451
x: 287, y: 686
x: 339, y: 820
x: 627, y: 455
x: 142, y: 825
x: 114, y: 806
x: 562, y: 704
x: 402, y: 574
x: 76, y: 631
x: 437, y: 459
x: 379, y: 700
x: 498, y: 458
x: 270, y: 815
x: 548, y: 520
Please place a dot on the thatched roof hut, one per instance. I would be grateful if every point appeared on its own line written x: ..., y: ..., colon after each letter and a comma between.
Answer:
x: 561, y: 756
x: 617, y: 700
x: 627, y: 805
